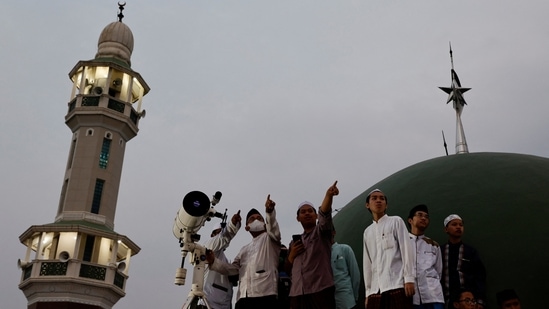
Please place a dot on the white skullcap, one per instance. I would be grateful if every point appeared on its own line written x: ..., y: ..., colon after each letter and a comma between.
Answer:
x: 450, y: 218
x: 305, y: 203
x: 374, y: 190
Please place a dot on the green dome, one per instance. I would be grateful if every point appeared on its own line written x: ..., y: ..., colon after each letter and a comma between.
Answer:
x: 503, y: 199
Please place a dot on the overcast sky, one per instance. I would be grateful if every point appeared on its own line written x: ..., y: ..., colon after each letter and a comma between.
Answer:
x: 261, y: 97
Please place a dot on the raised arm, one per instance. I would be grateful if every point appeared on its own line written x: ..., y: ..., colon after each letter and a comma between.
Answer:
x: 326, y: 206
x: 272, y: 225
x: 221, y: 241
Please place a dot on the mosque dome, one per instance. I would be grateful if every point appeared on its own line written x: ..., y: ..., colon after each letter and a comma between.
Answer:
x: 503, y: 199
x: 115, y: 41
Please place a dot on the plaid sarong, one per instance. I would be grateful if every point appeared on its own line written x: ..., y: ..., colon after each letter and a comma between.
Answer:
x: 393, y: 299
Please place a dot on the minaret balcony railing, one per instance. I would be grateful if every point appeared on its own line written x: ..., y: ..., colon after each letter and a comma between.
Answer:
x: 53, y: 269
x: 72, y: 105
x: 74, y: 269
x: 114, y: 104
x: 93, y: 272
x: 119, y: 280
x: 27, y: 272
x: 90, y: 101
x: 134, y: 117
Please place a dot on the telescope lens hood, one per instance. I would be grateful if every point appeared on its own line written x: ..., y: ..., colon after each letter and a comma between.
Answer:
x: 196, y: 203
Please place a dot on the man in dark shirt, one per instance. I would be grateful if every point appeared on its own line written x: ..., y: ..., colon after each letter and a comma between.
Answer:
x: 309, y: 259
x: 462, y: 266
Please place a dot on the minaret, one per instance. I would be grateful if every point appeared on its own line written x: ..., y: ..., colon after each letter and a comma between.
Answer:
x: 455, y: 93
x: 79, y: 261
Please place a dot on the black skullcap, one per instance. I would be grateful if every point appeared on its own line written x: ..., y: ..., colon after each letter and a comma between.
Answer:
x: 420, y: 207
x: 505, y: 295
x: 253, y: 211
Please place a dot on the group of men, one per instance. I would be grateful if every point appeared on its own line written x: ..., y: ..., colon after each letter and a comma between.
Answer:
x: 409, y: 270
x: 401, y: 269
x: 308, y: 261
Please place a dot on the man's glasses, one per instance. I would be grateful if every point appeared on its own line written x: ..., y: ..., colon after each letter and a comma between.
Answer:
x: 422, y: 215
x: 469, y: 301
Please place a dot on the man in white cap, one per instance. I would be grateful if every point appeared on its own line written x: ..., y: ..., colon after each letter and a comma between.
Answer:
x: 218, y: 287
x: 388, y: 258
x: 462, y: 266
x: 257, y: 262
x: 309, y: 261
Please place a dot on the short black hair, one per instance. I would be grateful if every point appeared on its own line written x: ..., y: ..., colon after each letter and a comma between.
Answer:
x: 375, y: 190
x: 454, y: 297
x: 506, y: 295
x: 420, y: 207
x: 412, y: 213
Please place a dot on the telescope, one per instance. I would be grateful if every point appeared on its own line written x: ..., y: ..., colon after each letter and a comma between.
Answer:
x: 196, y: 210
x: 193, y: 214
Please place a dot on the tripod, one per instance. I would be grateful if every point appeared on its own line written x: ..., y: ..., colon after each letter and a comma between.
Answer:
x: 196, y: 298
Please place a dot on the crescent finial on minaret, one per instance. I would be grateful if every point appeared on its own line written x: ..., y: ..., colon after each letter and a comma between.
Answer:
x: 121, y: 8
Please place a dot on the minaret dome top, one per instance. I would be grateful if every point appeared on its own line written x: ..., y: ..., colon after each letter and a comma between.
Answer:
x: 115, y: 41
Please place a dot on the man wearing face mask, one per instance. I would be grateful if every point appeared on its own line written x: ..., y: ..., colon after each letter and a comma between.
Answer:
x: 257, y: 262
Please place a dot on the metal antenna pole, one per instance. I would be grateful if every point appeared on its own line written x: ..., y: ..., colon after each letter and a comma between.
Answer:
x: 455, y: 94
x: 445, y: 145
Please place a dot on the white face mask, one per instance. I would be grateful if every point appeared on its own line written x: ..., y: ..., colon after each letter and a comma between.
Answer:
x: 256, y: 226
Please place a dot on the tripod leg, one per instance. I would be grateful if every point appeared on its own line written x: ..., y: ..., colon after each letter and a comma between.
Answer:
x: 193, y: 302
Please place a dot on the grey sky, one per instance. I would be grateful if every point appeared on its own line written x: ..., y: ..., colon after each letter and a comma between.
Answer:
x: 261, y: 97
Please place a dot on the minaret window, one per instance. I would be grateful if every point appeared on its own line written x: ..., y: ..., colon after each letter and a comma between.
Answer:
x: 62, y: 197
x: 71, y: 152
x: 96, y: 80
x: 88, y: 248
x: 104, y: 156
x: 97, y: 193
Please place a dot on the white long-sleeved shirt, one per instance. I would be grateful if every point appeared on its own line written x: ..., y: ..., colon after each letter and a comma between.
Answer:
x: 217, y: 287
x: 428, y: 270
x: 256, y: 263
x: 388, y: 259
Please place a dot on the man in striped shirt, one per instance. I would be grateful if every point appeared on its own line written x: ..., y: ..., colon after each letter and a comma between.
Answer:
x: 462, y: 266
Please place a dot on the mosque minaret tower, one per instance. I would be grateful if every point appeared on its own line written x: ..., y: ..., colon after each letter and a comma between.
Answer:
x: 79, y: 261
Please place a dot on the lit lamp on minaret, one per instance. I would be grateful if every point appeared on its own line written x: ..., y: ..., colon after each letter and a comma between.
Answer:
x: 79, y: 261
x: 455, y: 94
